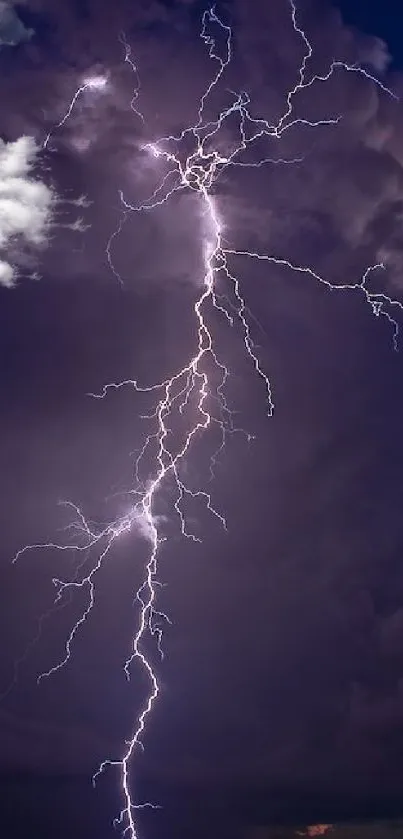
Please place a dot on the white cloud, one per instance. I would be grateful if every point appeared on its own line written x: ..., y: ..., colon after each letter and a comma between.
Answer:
x: 26, y: 203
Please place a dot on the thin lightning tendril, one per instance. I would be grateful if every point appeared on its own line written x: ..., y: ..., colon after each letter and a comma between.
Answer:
x: 91, y: 83
x: 191, y: 390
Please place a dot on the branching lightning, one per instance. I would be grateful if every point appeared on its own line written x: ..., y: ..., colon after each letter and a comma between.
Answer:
x: 196, y: 392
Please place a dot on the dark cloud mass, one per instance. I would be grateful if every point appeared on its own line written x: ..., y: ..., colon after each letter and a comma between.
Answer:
x: 12, y: 29
x: 282, y: 683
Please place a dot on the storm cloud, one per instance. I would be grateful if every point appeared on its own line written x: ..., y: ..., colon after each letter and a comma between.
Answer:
x: 12, y: 30
x: 282, y: 660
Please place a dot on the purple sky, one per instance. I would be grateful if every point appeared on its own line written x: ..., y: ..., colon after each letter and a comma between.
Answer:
x: 282, y: 678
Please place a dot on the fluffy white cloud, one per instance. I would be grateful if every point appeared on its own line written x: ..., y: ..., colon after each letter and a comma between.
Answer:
x: 26, y: 203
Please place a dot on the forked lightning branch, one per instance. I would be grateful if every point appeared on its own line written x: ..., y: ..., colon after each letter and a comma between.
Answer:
x: 197, y: 391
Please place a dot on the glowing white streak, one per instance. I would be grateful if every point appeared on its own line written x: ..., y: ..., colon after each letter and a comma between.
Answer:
x: 91, y: 83
x: 128, y: 60
x: 376, y: 300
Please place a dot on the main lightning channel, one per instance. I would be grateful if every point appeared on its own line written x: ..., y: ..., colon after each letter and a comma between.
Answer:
x: 193, y: 390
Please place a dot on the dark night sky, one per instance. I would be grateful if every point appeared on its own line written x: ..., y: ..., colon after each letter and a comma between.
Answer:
x: 282, y: 683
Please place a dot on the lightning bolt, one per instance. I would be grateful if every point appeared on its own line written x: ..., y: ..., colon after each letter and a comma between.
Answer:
x: 96, y: 82
x: 195, y: 394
